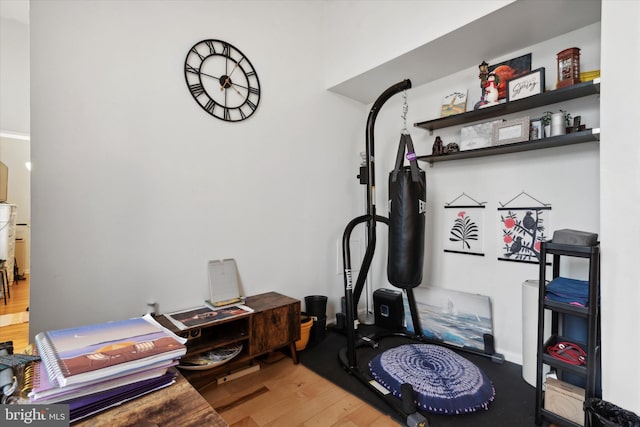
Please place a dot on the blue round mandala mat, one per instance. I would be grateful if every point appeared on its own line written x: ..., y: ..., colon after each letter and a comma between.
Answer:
x: 443, y: 381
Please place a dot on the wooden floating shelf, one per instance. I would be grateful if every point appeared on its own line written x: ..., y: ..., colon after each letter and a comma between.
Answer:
x: 588, y: 135
x: 546, y: 98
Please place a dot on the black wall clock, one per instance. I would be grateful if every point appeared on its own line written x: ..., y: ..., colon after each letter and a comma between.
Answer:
x: 222, y: 80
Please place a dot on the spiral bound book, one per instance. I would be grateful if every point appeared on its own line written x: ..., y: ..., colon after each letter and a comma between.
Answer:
x: 94, y: 352
x: 44, y: 392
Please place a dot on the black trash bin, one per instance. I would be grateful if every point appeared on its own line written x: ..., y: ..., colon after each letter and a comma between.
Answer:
x: 316, y: 307
x: 604, y: 414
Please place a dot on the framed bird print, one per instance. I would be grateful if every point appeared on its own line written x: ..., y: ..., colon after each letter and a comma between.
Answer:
x: 522, y: 229
x: 465, y: 226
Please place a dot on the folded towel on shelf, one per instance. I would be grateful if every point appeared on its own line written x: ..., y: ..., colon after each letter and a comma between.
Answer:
x: 570, y: 291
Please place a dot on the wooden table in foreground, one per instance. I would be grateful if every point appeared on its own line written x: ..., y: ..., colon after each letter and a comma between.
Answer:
x: 177, y: 405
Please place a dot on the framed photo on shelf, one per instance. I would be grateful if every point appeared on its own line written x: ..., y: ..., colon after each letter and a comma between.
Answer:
x: 526, y: 85
x: 536, y: 130
x: 510, y: 69
x: 454, y: 103
x: 510, y: 131
x: 476, y: 136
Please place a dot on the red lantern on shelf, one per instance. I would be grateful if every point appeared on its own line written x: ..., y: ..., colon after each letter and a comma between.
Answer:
x: 568, y: 67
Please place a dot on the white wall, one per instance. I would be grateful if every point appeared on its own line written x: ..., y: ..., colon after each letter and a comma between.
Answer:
x: 361, y: 35
x: 620, y: 205
x: 14, y: 76
x: 145, y: 188
x: 135, y: 187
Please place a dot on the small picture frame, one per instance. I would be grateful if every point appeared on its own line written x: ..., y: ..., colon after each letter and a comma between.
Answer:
x: 510, y: 69
x: 476, y: 136
x: 536, y: 130
x: 510, y: 131
x: 527, y: 85
x: 454, y: 103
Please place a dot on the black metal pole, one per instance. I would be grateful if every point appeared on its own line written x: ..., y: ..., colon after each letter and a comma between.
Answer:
x: 370, y: 157
x: 371, y: 181
x: 353, y: 295
x: 350, y: 306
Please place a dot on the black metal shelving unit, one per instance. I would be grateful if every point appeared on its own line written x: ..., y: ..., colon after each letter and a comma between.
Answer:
x: 591, y: 312
x: 546, y: 98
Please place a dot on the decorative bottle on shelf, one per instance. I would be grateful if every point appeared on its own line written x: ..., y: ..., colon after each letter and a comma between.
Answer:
x: 557, y: 124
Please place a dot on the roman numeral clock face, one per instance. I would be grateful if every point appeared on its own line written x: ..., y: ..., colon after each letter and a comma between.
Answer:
x: 222, y: 80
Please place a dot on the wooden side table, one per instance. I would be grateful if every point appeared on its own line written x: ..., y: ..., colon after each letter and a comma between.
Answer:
x: 274, y: 324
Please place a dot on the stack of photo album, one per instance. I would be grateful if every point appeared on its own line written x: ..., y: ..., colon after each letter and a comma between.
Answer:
x: 92, y: 368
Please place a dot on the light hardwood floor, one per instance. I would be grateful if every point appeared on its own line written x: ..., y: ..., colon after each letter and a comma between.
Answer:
x: 18, y: 302
x: 284, y: 394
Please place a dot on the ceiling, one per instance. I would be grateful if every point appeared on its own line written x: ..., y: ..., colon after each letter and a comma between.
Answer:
x: 464, y: 47
x: 15, y: 10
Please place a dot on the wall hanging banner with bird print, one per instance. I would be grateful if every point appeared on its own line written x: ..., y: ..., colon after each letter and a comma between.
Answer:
x: 464, y: 234
x: 522, y: 228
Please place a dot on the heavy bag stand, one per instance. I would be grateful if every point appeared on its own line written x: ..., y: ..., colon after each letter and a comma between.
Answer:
x: 407, y: 407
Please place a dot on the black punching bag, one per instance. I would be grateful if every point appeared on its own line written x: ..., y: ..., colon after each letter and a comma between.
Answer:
x: 407, y: 203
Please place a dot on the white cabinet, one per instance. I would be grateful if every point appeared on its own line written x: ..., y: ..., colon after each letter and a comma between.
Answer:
x: 8, y: 236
